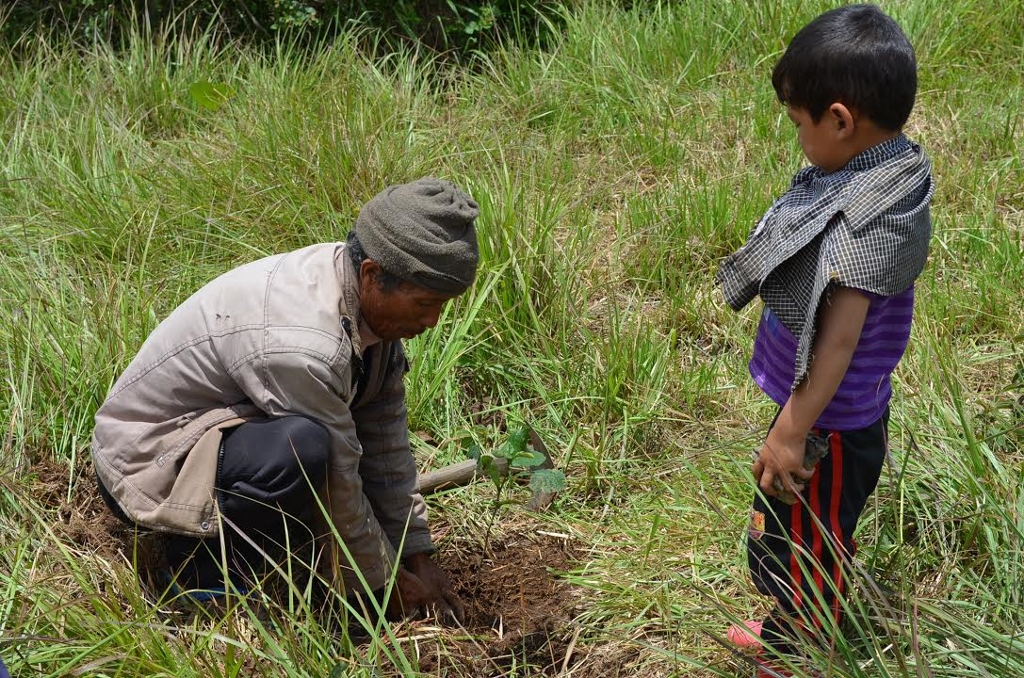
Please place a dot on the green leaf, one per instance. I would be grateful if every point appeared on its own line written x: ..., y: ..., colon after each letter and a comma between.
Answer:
x: 210, y: 95
x: 547, y: 480
x: 519, y: 438
x: 473, y: 451
x: 527, y: 459
x: 515, y: 444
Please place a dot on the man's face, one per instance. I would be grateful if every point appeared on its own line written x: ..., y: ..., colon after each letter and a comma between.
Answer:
x: 401, y: 313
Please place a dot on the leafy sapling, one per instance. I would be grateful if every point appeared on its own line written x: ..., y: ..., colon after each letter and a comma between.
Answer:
x: 514, y: 460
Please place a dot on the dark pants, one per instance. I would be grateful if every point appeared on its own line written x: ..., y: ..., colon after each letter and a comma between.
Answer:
x: 799, y: 553
x: 268, y: 474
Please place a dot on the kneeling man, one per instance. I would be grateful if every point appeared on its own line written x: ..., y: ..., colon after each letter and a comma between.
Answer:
x: 277, y: 389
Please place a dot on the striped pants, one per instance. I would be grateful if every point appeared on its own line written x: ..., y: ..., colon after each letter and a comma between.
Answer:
x: 799, y: 554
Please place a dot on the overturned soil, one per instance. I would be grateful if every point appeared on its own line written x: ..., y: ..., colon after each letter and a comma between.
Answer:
x: 520, y: 611
x: 83, y: 518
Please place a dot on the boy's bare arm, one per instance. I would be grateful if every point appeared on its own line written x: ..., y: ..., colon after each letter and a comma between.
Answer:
x: 840, y: 325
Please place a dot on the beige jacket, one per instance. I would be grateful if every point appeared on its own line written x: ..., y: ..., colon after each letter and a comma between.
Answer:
x: 272, y: 338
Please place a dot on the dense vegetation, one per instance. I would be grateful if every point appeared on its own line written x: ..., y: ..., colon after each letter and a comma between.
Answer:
x: 614, y: 168
x: 453, y: 26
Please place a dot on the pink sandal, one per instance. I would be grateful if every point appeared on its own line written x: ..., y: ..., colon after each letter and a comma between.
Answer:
x: 746, y: 636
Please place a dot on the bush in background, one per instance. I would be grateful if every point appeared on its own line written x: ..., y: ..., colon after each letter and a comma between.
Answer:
x: 454, y: 26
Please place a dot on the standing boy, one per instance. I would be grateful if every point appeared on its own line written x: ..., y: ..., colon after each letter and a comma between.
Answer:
x: 834, y: 261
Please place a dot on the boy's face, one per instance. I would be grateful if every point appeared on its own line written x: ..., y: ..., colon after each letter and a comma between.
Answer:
x: 822, y: 141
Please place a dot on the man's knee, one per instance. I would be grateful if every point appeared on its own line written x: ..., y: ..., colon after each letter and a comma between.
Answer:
x: 273, y: 464
x: 293, y: 442
x: 309, y: 440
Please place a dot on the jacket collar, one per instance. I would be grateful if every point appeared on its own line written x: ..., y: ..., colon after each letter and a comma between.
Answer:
x: 348, y: 306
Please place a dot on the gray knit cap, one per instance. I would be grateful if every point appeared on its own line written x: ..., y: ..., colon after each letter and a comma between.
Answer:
x: 422, y: 232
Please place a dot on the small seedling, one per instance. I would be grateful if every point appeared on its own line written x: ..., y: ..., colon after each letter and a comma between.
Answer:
x: 514, y: 460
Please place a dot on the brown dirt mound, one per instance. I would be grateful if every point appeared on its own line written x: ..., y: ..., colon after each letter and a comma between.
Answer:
x: 84, y: 520
x: 521, y: 615
x: 518, y: 611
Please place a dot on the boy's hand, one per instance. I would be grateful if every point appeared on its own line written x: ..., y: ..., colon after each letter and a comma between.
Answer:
x: 780, y: 465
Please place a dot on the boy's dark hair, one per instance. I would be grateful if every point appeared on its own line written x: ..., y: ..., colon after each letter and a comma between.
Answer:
x: 388, y: 282
x: 855, y: 55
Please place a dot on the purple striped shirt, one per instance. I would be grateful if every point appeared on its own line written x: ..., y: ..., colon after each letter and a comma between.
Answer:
x: 866, y: 388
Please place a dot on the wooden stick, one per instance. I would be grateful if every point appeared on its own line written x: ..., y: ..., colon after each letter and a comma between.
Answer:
x: 455, y: 475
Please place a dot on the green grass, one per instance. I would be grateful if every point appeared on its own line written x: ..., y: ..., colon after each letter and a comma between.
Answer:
x: 614, y: 169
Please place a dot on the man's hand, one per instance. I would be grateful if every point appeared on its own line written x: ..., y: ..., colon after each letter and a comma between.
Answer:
x: 408, y: 595
x: 421, y: 587
x: 781, y: 465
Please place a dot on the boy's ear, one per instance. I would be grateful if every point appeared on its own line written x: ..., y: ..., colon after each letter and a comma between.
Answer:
x: 842, y: 119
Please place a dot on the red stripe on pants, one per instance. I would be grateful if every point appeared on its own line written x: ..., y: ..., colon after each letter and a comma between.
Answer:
x: 836, y: 441
x: 796, y: 527
x: 814, y: 494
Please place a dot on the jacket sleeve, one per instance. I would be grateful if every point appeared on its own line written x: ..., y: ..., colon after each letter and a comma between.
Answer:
x: 288, y: 383
x: 388, y: 468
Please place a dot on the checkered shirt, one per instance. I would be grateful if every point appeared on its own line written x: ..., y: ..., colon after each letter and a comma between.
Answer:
x: 865, y: 226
